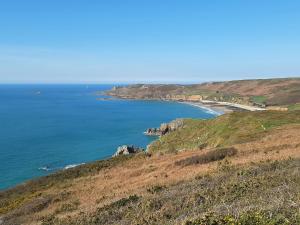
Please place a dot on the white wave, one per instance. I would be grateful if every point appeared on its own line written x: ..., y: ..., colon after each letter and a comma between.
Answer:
x: 204, y: 108
x: 45, y: 168
x: 72, y: 166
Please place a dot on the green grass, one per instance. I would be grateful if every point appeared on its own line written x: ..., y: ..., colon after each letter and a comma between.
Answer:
x: 225, y: 130
x: 259, y: 99
x: 294, y: 107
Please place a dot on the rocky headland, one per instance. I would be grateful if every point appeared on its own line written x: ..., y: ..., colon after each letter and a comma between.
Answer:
x: 251, y: 95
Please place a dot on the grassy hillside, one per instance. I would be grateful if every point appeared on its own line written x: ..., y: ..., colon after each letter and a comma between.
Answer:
x: 225, y: 130
x: 24, y: 193
x: 239, y: 168
x: 272, y: 92
x: 246, y: 196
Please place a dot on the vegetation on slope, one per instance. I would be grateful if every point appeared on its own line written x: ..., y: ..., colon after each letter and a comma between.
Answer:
x: 259, y: 99
x: 23, y: 193
x: 270, y: 92
x: 259, y: 194
x: 225, y: 130
x: 294, y: 107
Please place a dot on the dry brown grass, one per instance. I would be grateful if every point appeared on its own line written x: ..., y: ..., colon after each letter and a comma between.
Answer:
x: 251, y: 87
x: 281, y: 91
x: 138, y: 175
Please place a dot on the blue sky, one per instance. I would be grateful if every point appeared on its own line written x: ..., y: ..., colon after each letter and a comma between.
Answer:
x: 185, y: 41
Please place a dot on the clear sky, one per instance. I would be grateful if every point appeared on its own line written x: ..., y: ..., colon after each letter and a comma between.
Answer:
x: 86, y: 41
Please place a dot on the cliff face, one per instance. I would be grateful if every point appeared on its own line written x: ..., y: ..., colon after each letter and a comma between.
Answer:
x: 253, y: 92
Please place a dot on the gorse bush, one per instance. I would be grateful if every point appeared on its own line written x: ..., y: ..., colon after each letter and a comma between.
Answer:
x: 68, y: 207
x: 125, y: 201
x: 156, y: 188
x: 211, y: 156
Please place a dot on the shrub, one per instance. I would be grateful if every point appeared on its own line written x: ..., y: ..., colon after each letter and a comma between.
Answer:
x: 155, y: 189
x: 214, y: 155
x: 68, y: 207
x: 125, y: 201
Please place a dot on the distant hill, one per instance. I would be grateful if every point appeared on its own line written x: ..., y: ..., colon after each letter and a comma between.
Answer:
x: 263, y: 92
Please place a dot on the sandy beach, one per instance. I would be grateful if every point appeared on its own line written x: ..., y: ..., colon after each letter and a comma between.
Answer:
x: 220, y: 108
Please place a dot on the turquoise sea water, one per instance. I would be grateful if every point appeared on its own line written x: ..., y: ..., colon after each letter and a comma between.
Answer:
x: 44, y: 128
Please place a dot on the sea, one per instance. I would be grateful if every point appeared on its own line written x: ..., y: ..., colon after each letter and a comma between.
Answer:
x: 45, y: 128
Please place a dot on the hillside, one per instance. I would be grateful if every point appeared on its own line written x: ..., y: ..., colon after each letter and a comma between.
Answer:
x: 269, y: 92
x: 223, y: 131
x: 239, y: 168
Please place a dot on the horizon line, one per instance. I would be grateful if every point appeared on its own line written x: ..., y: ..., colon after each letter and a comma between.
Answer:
x: 139, y: 82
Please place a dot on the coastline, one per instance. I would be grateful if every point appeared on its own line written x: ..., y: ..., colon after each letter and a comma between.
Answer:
x: 208, y: 108
x: 233, y: 105
x: 211, y: 106
x: 220, y: 108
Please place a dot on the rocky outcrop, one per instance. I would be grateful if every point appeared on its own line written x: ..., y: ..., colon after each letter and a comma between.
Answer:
x: 126, y: 150
x: 153, y: 132
x: 165, y: 128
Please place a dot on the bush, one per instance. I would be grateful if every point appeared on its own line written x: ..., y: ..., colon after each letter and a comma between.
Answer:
x: 214, y: 155
x: 125, y: 201
x: 155, y: 189
x: 68, y: 207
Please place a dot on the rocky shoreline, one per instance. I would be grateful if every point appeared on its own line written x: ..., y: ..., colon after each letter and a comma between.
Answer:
x: 164, y: 129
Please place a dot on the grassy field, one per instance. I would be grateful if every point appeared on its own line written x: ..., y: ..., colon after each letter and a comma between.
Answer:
x: 226, y: 130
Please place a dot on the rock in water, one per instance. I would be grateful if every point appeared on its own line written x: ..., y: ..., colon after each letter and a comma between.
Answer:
x: 126, y: 150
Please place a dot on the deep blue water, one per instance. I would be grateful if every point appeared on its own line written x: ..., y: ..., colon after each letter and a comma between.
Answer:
x: 53, y: 126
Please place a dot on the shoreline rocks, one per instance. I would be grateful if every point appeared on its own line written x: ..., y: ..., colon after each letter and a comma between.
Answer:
x: 127, y: 149
x: 165, y: 128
